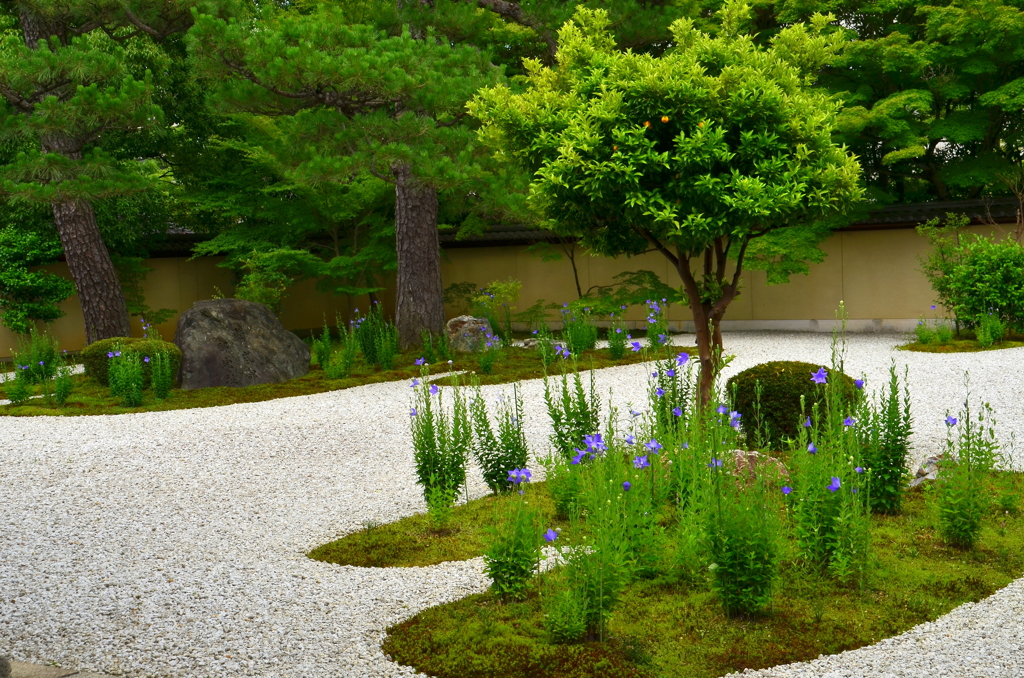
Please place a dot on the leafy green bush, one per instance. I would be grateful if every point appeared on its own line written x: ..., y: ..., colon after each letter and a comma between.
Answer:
x: 741, y: 543
x: 17, y: 388
x: 497, y: 302
x: 501, y: 448
x: 990, y: 276
x: 782, y: 383
x: 972, y: 274
x: 62, y: 385
x: 322, y: 347
x: 339, y: 365
x: 990, y: 329
x: 378, y: 338
x: 162, y: 374
x: 575, y: 411
x: 545, y: 345
x: 28, y: 294
x: 885, y: 442
x: 441, y: 439
x: 925, y: 332
x: 37, y: 357
x: 94, y: 356
x: 617, y: 338
x: 579, y: 333
x: 971, y: 452
x: 511, y: 558
x: 125, y: 377
x: 435, y: 347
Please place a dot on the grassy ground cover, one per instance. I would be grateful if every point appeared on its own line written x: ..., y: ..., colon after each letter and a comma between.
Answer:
x: 416, y: 541
x: 664, y: 627
x: 90, y: 398
x: 966, y: 343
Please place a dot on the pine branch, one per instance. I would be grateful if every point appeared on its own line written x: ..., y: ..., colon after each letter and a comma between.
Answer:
x: 514, y: 13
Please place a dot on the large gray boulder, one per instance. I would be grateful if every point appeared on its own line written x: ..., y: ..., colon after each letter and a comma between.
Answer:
x: 467, y: 334
x: 233, y: 342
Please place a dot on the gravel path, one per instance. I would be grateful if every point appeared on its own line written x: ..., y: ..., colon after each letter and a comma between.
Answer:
x: 172, y: 543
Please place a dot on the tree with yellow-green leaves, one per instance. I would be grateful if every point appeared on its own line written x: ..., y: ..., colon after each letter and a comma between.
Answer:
x: 718, y: 150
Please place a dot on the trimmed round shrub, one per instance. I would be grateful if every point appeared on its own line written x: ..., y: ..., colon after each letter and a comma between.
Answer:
x: 94, y: 356
x: 782, y: 384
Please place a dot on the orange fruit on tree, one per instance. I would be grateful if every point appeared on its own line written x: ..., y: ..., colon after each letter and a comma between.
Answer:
x: 664, y: 118
x: 647, y: 123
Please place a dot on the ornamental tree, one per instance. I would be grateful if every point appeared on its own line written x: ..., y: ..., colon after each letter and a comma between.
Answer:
x: 718, y: 150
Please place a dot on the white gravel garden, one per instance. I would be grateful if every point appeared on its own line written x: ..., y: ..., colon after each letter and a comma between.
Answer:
x: 173, y: 543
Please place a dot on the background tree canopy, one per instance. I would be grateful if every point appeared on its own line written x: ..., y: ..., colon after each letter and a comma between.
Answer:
x: 931, y: 103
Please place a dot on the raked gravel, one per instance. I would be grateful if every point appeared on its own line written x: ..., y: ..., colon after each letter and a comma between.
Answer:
x: 172, y: 543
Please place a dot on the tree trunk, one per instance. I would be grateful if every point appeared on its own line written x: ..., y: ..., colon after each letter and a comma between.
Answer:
x: 707, y: 316
x: 99, y: 289
x: 419, y: 296
x: 705, y: 335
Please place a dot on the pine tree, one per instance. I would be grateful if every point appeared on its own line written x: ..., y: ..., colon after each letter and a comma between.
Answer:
x: 354, y: 99
x: 64, y: 85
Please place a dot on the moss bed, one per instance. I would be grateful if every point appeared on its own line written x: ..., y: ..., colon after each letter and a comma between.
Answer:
x: 966, y: 343
x: 514, y: 364
x: 417, y: 542
x: 664, y: 627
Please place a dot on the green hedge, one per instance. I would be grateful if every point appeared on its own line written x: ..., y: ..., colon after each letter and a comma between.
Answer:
x: 94, y: 356
x: 783, y: 382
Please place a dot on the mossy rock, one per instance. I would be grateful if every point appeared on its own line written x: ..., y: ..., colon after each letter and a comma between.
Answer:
x: 782, y: 383
x: 94, y: 356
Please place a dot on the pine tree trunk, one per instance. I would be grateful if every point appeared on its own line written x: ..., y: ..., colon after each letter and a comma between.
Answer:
x: 419, y: 296
x: 99, y: 289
